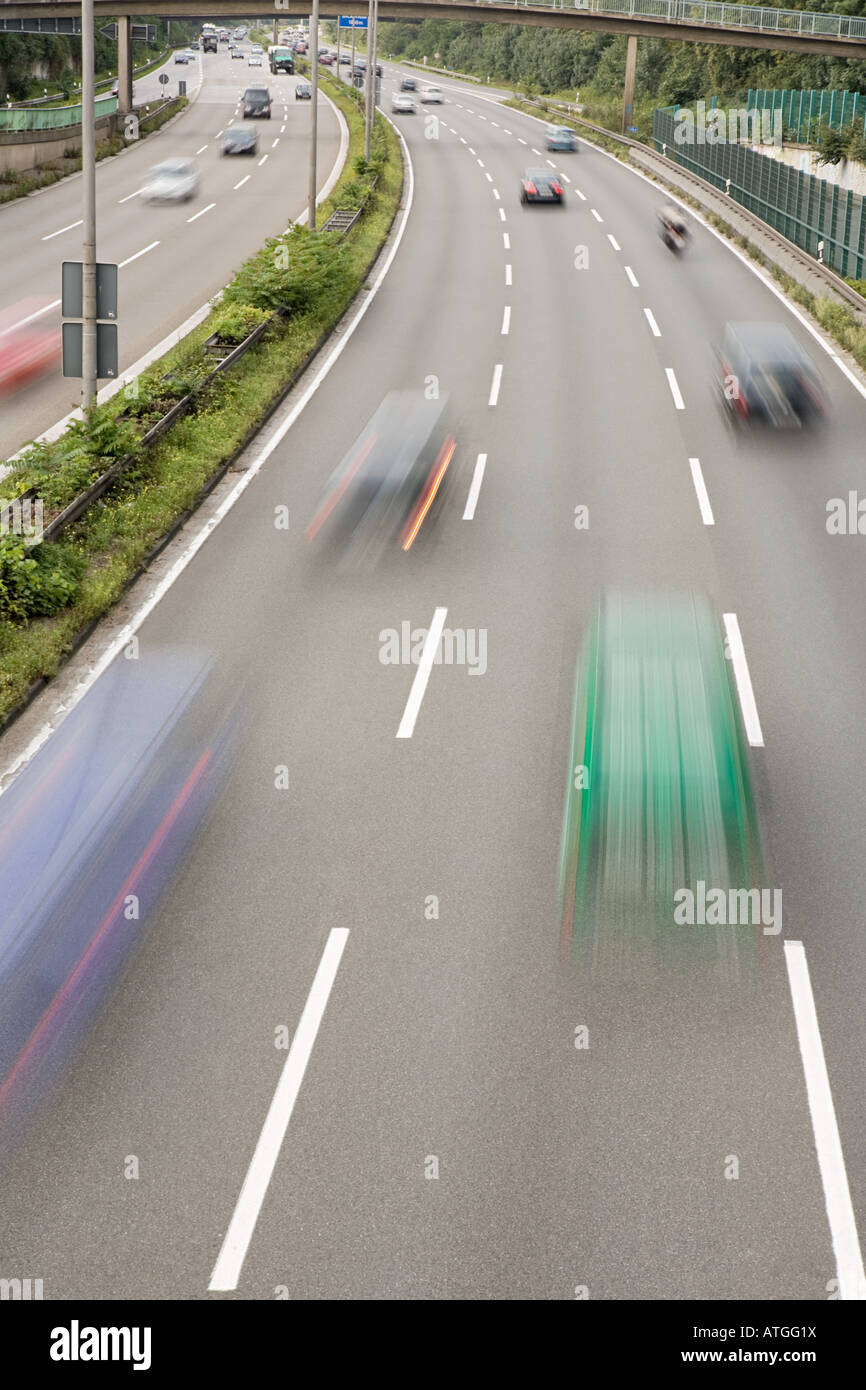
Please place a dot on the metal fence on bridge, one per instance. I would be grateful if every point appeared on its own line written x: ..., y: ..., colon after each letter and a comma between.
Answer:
x: 52, y: 117
x: 805, y: 209
x: 765, y: 19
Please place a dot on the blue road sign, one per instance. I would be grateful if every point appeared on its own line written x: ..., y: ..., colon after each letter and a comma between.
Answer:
x: 353, y: 21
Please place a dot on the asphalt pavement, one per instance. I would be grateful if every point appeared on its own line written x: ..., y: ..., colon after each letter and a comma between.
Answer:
x: 172, y: 259
x: 449, y: 1138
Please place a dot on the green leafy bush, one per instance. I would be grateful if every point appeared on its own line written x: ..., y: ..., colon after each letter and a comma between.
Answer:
x: 292, y: 270
x: 235, y: 322
x: 36, y: 580
x: 833, y: 144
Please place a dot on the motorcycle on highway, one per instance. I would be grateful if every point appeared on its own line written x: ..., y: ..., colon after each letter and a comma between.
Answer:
x: 673, y: 230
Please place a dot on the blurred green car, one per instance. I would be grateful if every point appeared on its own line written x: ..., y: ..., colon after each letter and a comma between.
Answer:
x: 660, y: 794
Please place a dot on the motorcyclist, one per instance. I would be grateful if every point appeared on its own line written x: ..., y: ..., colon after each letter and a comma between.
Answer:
x: 673, y: 227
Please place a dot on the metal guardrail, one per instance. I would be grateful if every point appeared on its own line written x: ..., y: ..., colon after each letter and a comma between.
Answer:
x: 145, y: 68
x: 672, y: 173
x: 52, y: 118
x: 79, y: 505
x: 764, y: 20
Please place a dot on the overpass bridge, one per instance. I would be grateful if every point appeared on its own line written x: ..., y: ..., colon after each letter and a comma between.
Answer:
x: 696, y: 21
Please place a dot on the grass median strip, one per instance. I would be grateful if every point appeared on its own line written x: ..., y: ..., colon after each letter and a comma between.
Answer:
x: 52, y: 592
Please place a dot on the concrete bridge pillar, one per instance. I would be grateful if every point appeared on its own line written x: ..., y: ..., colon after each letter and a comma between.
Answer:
x: 630, y: 64
x: 124, y: 63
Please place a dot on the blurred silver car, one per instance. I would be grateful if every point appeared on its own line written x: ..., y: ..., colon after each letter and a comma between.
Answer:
x: 173, y: 181
x: 431, y: 94
x: 181, y: 57
x: 254, y: 61
x: 404, y: 104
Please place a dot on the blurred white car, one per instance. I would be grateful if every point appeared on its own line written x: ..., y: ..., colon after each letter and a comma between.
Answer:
x: 430, y: 94
x: 173, y: 181
x: 400, y: 103
x: 254, y: 61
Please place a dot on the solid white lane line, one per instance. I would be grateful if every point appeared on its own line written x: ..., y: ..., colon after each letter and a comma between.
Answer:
x: 633, y: 280
x: 506, y: 318
x: 744, y: 681
x: 201, y: 213
x: 581, y: 196
x: 502, y: 216
x: 508, y: 275
x: 136, y: 194
x: 675, y: 390
x: 61, y: 230
x: 37, y: 314
x: 143, y: 252
x: 475, y: 488
x: 597, y: 215
x: 422, y: 675
x: 506, y: 241
x: 831, y: 1160
x: 654, y: 328
x: 701, y: 490
x: 243, y: 181
x: 495, y: 385
x: 613, y: 241
x: 203, y: 148
x: 227, y: 1270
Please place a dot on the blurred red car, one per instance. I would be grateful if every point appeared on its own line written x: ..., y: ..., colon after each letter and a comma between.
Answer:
x: 29, y: 342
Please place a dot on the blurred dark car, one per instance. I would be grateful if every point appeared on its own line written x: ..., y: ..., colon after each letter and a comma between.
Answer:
x: 239, y: 139
x: 386, y: 484
x: 408, y: 84
x: 765, y: 377
x: 257, y: 103
x: 541, y: 186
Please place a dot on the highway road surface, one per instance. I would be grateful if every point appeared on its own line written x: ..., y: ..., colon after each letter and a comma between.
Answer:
x: 174, y: 258
x: 389, y: 904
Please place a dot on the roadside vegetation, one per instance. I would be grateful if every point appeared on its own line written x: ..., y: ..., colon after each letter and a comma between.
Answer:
x: 30, y: 64
x: 50, y: 594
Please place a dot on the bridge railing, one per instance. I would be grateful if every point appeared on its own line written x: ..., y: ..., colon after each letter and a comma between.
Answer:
x: 765, y: 19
